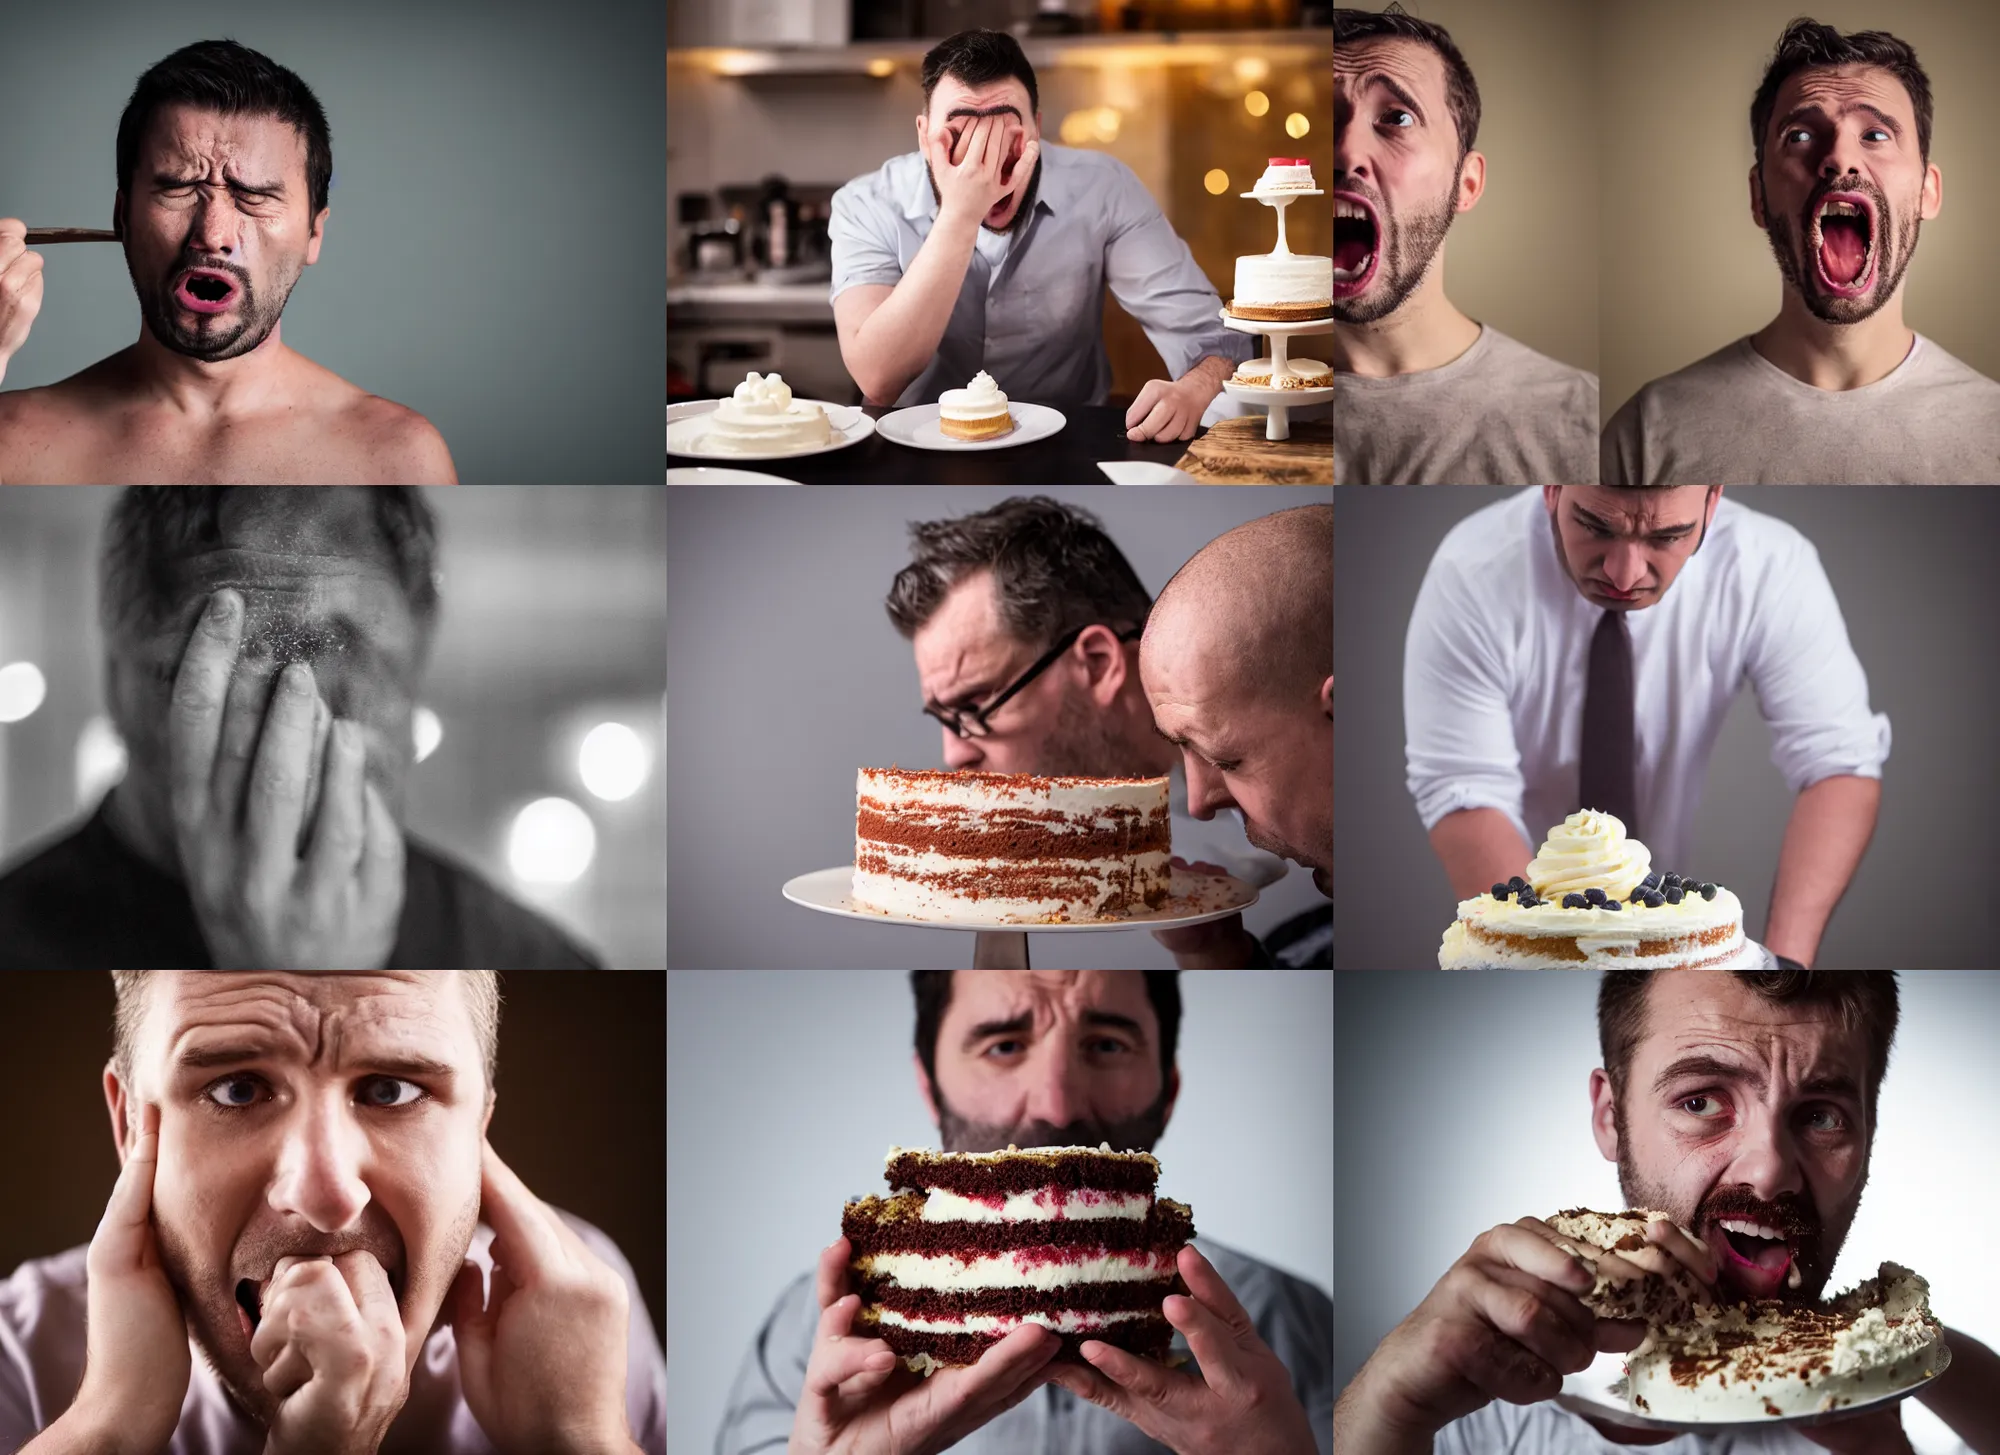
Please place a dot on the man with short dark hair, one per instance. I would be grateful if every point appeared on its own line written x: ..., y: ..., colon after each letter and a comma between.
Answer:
x: 1423, y: 394
x: 1837, y: 389
x: 988, y: 251
x: 263, y: 653
x: 1048, y: 1059
x: 1025, y: 620
x: 1748, y: 1097
x: 224, y: 161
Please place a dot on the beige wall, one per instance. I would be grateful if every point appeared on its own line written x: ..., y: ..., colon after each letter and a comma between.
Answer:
x: 1525, y: 259
x: 1685, y: 270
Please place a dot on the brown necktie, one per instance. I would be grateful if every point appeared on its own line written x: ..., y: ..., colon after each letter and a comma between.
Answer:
x: 1610, y: 746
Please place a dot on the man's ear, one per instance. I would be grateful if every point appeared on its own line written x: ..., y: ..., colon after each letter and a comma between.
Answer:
x: 317, y: 237
x: 1604, y: 1114
x: 1326, y: 697
x: 486, y: 1118
x: 118, y: 213
x: 1173, y: 1095
x: 926, y: 1090
x: 123, y: 1107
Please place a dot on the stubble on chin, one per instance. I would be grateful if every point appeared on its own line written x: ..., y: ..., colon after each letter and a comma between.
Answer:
x: 1140, y: 1132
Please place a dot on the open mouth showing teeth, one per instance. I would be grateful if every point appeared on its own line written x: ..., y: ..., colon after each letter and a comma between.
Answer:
x: 1844, y: 242
x: 1354, y: 241
x: 1755, y: 1246
x: 249, y: 1298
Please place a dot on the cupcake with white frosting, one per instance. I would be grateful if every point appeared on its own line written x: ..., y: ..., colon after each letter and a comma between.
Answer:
x: 761, y: 418
x: 976, y: 412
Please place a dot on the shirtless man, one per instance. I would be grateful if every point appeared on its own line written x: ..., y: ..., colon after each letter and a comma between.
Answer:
x: 219, y: 212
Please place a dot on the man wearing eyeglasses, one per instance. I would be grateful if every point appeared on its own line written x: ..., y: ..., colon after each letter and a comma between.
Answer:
x: 1025, y: 620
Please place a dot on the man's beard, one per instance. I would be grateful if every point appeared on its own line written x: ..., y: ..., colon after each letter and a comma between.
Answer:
x: 206, y: 336
x: 1408, y: 250
x: 1816, y: 1244
x: 1081, y: 744
x: 1894, y: 248
x: 207, y: 1298
x: 1021, y: 214
x: 1139, y: 1133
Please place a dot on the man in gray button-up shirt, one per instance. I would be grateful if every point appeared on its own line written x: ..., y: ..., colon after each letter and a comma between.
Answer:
x: 989, y: 249
x: 1046, y: 1058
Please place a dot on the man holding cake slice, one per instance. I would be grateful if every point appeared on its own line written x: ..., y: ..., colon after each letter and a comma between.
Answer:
x: 1424, y: 394
x: 987, y: 251
x: 1743, y: 1106
x: 1578, y: 647
x: 1048, y: 1059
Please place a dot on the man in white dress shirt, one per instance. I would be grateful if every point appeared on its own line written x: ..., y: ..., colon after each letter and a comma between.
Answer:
x: 1789, y: 1064
x: 1579, y: 647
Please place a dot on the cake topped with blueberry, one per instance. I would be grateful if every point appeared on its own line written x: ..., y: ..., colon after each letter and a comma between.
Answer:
x: 1591, y: 899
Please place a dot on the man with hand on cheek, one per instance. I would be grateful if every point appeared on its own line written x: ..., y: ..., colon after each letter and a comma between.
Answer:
x: 305, y: 1178
x: 987, y: 250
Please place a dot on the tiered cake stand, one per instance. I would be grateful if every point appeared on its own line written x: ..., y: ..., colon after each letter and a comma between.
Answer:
x: 1279, y: 402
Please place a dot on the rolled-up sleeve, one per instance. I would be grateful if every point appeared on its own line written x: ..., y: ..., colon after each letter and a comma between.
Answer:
x: 863, y: 235
x: 1457, y: 723
x: 1810, y: 686
x: 1152, y: 274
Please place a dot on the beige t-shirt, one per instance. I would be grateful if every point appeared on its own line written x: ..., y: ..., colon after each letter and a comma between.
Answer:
x: 1736, y: 418
x: 1498, y: 414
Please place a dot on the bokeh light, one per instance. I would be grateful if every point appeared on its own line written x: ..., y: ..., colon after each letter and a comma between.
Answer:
x: 100, y: 760
x: 427, y: 729
x: 1256, y: 103
x: 613, y: 761
x: 1217, y: 182
x: 1296, y: 125
x: 22, y: 689
x: 552, y: 842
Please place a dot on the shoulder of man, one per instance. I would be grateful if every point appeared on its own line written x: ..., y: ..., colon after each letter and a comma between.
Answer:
x: 1494, y: 540
x: 72, y: 899
x: 453, y: 918
x: 1530, y: 369
x: 1710, y: 380
x: 404, y: 448
x: 42, y: 1305
x: 1942, y: 368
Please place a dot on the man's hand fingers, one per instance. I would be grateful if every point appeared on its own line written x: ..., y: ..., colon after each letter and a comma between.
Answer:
x: 1143, y: 405
x: 289, y: 1372
x: 1684, y: 1247
x: 201, y: 690
x: 1521, y: 1246
x: 1158, y: 421
x: 382, y: 855
x: 1207, y: 1285
x: 518, y: 1219
x: 830, y: 1279
x: 964, y: 1399
x: 277, y: 802
x: 341, y: 835
x: 125, y: 1230
x: 1086, y: 1383
x: 1141, y: 1378
x: 1215, y: 1345
x: 368, y: 1281
x: 837, y: 1318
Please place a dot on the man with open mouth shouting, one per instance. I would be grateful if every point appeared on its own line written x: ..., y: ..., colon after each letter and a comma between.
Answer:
x: 224, y: 161
x: 296, y: 1256
x: 1742, y: 1104
x: 1837, y: 389
x: 1423, y: 394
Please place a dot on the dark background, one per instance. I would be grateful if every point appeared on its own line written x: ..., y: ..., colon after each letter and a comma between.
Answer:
x: 1912, y: 569
x: 581, y: 1115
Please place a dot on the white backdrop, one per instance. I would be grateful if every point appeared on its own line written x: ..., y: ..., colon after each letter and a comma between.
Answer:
x: 1465, y: 1103
x: 784, y: 1089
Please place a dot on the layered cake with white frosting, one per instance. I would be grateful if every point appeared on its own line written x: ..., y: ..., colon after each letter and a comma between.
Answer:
x: 977, y: 412
x: 1282, y: 286
x: 762, y: 418
x: 1591, y: 900
x: 1706, y: 1359
x: 1299, y: 374
x: 1004, y: 848
x: 971, y: 1245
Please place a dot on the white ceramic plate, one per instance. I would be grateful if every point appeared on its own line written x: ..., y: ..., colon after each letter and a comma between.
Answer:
x: 918, y: 426
x: 1143, y: 472
x: 1191, y: 899
x: 1251, y: 394
x: 686, y: 424
x: 1599, y: 1391
x: 1267, y: 327
x: 711, y: 475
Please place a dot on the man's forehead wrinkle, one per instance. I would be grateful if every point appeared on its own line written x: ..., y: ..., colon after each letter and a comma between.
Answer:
x: 1410, y: 62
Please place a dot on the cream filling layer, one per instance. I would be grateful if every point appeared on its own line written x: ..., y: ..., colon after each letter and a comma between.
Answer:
x: 1101, y: 879
x: 1044, y: 1204
x: 1068, y: 1321
x: 1462, y: 951
x: 1009, y: 1270
x: 893, y: 793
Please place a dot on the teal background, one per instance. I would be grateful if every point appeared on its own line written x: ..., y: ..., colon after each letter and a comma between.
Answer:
x: 494, y: 257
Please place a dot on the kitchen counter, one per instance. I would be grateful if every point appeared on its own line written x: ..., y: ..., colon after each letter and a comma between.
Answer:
x: 768, y: 302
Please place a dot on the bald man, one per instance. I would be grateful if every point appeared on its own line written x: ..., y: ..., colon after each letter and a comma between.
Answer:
x: 1237, y: 663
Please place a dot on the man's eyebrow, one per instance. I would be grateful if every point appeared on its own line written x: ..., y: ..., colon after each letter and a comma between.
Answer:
x: 1825, y: 1083
x: 1606, y: 526
x: 1112, y: 1020
x: 1395, y: 88
x: 1813, y: 108
x: 1012, y: 1026
x: 241, y: 1053
x: 175, y: 179
x: 989, y: 111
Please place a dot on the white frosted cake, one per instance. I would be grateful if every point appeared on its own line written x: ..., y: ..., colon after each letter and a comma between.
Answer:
x: 1722, y: 1361
x: 1282, y: 286
x: 974, y: 1244
x: 977, y: 412
x: 761, y: 417
x: 1001, y: 848
x: 1591, y: 900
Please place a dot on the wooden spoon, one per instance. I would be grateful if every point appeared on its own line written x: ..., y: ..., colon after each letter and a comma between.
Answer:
x: 43, y: 235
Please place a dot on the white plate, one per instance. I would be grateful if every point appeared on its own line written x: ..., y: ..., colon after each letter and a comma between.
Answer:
x: 1143, y: 472
x: 712, y: 475
x: 1268, y: 326
x: 685, y: 426
x: 1252, y: 394
x: 1192, y: 899
x: 1598, y: 1391
x: 918, y: 426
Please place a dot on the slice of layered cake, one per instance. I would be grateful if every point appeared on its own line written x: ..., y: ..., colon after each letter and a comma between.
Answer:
x: 971, y: 1245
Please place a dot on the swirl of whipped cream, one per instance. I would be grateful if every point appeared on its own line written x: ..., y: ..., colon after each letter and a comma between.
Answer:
x: 983, y: 389
x: 1589, y: 850
x: 759, y: 391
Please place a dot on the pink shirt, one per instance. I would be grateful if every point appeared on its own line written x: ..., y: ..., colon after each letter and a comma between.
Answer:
x: 41, y: 1364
